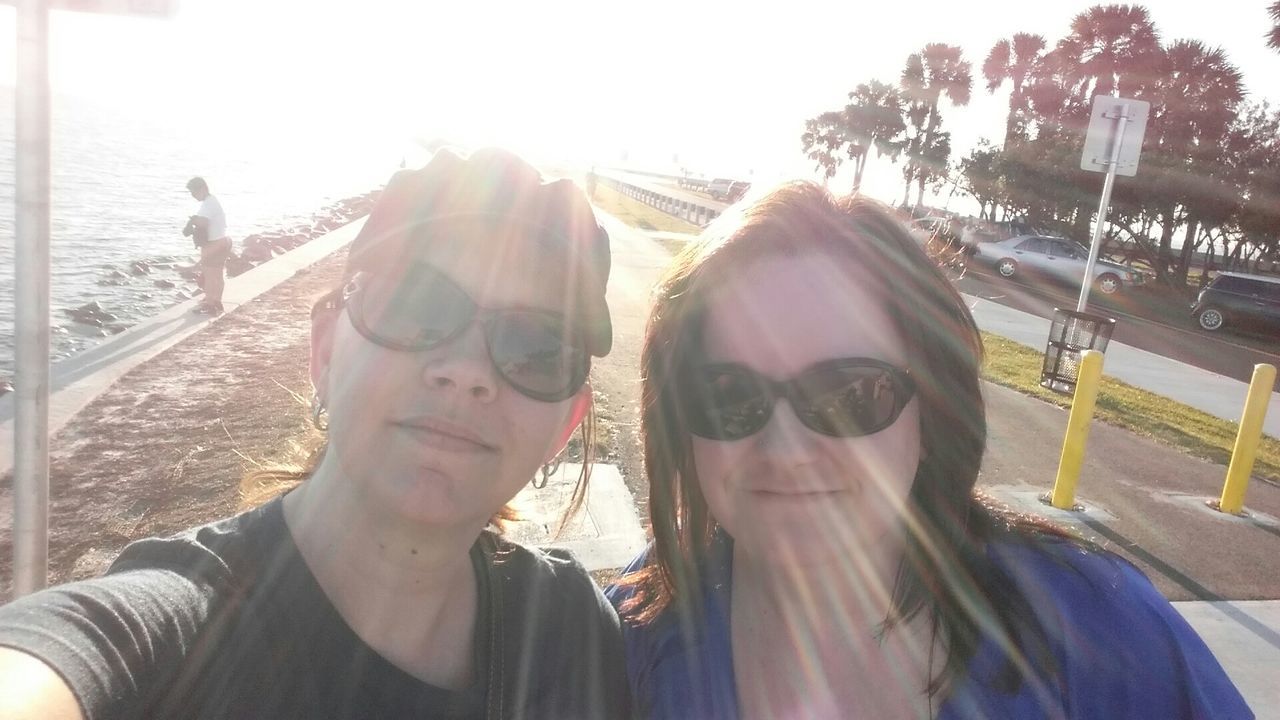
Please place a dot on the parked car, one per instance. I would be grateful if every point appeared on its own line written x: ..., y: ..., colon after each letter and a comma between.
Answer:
x: 736, y: 190
x: 926, y: 229
x: 1238, y: 300
x: 1055, y: 258
x: 719, y: 187
x: 985, y: 231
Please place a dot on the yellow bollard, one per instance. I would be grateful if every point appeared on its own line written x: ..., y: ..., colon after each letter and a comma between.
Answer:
x: 1246, y: 447
x: 1063, y: 496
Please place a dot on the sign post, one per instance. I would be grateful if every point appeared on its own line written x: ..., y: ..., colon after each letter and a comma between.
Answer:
x: 31, y: 302
x: 1112, y: 146
x: 31, y: 275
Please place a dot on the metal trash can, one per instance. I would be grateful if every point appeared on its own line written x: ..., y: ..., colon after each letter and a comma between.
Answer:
x: 1071, y: 334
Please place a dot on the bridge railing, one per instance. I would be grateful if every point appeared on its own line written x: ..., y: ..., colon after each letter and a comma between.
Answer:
x: 671, y: 201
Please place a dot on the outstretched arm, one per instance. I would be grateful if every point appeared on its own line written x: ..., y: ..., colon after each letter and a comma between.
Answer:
x: 31, y: 690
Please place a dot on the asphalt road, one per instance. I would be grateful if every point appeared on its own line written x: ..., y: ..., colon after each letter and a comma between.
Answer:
x: 1224, y: 353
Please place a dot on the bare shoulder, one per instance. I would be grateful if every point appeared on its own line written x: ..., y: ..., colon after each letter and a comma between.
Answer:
x: 31, y: 689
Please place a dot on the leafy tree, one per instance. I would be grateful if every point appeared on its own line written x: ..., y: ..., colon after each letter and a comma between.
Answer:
x: 1253, y: 151
x: 1111, y: 50
x: 1210, y: 172
x: 981, y: 172
x: 822, y: 141
x: 1014, y: 61
x: 1199, y: 91
x: 874, y: 119
x: 937, y: 71
x: 1273, y: 37
x: 913, y: 139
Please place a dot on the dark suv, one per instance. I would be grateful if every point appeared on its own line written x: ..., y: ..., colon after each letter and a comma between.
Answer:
x: 1239, y: 300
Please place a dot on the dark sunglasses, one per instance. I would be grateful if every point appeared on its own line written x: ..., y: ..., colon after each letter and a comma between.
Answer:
x: 844, y: 397
x: 537, y: 352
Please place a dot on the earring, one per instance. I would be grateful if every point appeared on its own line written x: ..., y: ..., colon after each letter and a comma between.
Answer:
x: 319, y: 414
x: 547, y: 471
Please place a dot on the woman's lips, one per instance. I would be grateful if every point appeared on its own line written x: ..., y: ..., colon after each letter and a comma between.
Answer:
x: 444, y: 435
x: 795, y: 494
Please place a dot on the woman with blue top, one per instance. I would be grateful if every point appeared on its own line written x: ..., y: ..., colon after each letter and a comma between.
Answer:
x: 814, y: 426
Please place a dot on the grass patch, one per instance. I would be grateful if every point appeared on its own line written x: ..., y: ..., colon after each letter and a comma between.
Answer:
x: 1017, y: 366
x: 638, y: 215
x: 672, y: 245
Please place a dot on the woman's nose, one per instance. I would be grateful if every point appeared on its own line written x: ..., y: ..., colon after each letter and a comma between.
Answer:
x: 784, y: 437
x: 463, y: 366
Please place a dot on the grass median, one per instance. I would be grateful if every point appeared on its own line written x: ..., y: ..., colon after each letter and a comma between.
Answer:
x: 1195, y: 432
x: 642, y: 217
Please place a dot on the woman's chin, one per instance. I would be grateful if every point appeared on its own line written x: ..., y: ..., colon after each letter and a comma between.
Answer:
x: 424, y: 498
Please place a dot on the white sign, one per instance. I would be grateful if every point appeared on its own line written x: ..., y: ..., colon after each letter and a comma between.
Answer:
x: 1098, y: 150
x: 149, y: 8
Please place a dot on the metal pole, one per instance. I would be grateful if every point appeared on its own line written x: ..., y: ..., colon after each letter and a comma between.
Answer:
x: 1071, y: 461
x: 31, y: 271
x: 1117, y: 139
x: 1247, y: 438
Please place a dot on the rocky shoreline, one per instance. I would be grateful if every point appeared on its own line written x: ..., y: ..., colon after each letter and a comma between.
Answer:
x: 165, y: 447
x: 145, y: 286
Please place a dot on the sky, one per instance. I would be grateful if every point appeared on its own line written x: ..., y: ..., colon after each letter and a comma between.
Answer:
x: 712, y: 86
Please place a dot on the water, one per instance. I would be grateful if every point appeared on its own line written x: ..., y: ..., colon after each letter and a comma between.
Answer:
x: 119, y: 173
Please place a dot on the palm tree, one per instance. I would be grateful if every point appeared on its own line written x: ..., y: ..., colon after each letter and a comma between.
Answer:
x: 1052, y: 105
x: 822, y: 140
x: 1113, y: 50
x: 913, y: 143
x: 936, y: 71
x: 1014, y: 61
x: 1198, y: 94
x: 1273, y: 37
x: 873, y: 120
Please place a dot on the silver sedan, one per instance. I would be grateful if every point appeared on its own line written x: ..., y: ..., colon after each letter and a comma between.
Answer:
x: 1053, y: 257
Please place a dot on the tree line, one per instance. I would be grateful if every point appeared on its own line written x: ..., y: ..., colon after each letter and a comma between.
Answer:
x: 1210, y: 169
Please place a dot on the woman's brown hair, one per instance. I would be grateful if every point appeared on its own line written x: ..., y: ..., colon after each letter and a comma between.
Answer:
x: 944, y: 572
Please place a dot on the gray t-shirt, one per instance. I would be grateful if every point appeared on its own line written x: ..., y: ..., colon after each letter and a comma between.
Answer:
x: 226, y: 621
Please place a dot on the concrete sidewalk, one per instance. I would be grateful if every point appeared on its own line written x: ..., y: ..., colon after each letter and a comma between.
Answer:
x: 1244, y: 636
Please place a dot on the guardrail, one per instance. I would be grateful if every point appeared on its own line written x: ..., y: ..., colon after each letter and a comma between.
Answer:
x: 670, y: 202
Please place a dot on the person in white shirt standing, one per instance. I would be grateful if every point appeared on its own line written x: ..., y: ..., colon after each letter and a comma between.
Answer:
x: 209, y: 230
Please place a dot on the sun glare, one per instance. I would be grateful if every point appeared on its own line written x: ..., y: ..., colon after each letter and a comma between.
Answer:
x: 709, y: 87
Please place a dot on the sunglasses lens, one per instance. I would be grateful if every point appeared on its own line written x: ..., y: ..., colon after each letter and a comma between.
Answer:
x: 727, y: 404
x: 843, y: 398
x: 535, y: 352
x: 415, y: 314
x: 538, y: 354
x: 848, y: 400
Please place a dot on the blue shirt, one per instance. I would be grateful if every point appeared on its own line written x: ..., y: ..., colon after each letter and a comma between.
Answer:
x: 1122, y: 650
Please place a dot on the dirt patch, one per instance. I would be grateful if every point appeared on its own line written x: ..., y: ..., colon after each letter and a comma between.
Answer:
x: 165, y: 448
